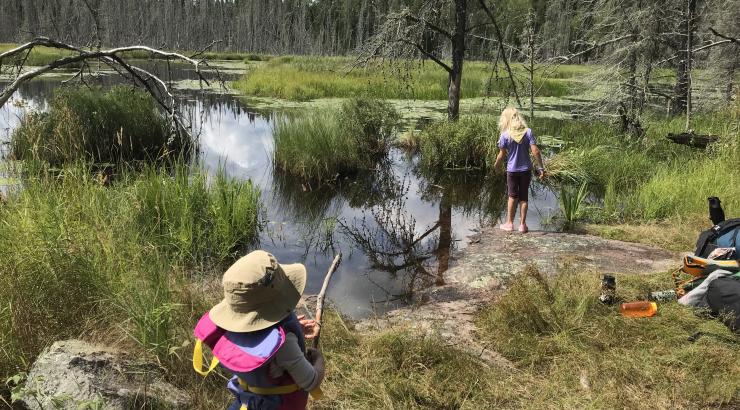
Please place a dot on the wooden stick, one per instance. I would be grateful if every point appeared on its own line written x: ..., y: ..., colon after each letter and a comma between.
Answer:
x: 322, y: 296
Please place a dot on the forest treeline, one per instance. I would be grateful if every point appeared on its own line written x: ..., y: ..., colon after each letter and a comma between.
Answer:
x: 631, y: 38
x: 331, y: 27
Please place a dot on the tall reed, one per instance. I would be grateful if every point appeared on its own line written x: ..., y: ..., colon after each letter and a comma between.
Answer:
x: 323, y: 145
x: 112, y: 126
x: 86, y: 259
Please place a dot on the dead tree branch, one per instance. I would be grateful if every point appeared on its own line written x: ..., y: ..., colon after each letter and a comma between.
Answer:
x: 502, y: 52
x: 728, y: 38
x: 564, y: 59
x: 113, y: 58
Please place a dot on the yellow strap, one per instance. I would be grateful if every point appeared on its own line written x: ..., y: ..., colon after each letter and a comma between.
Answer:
x: 198, y: 360
x: 266, y: 391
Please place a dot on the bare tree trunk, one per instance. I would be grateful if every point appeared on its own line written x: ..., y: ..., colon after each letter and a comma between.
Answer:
x: 530, y: 47
x: 690, y: 6
x: 680, y: 90
x: 458, y: 57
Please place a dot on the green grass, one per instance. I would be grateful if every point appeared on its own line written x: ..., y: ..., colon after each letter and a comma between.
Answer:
x: 309, y: 77
x: 325, y: 144
x: 45, y: 55
x: 116, y: 263
x: 570, y: 351
x: 651, y: 178
x: 38, y: 56
x: 468, y: 143
x: 117, y: 125
x: 572, y: 203
x: 557, y: 331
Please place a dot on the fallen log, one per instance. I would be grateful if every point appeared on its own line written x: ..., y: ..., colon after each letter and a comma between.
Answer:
x: 693, y: 140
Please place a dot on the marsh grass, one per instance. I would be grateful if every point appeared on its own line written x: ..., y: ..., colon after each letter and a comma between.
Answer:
x: 38, y: 56
x: 326, y: 144
x: 112, y: 126
x: 310, y: 77
x: 651, y: 178
x: 84, y: 259
x: 45, y: 55
x: 572, y: 203
x: 467, y: 143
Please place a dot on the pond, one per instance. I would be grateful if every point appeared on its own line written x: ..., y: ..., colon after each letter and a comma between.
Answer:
x: 397, y: 227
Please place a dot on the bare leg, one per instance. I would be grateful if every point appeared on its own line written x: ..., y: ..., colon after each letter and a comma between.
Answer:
x: 511, y: 210
x: 523, y: 206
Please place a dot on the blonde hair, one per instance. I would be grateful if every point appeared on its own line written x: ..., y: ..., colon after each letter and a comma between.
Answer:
x: 510, y: 118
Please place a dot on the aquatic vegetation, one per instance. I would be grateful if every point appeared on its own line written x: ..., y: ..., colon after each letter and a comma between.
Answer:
x: 326, y: 144
x: 311, y: 77
x: 572, y: 203
x: 469, y: 142
x: 118, y: 125
x: 117, y: 258
x: 649, y: 177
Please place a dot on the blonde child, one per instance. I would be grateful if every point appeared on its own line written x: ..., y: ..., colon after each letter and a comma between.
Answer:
x: 515, y: 143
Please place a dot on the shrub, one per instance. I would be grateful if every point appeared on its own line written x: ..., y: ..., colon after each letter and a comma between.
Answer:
x: 323, y: 145
x: 467, y: 143
x: 117, y: 125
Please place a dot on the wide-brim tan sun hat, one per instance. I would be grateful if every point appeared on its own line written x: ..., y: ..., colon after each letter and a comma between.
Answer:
x: 258, y: 292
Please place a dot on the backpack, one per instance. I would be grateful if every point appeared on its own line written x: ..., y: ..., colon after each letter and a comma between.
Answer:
x: 725, y: 234
x: 723, y: 297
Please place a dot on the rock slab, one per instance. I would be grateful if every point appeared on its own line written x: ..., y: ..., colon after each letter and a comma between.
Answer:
x: 491, y: 260
x: 74, y: 374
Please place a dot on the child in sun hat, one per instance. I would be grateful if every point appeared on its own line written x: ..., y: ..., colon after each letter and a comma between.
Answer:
x: 255, y: 334
x: 515, y: 144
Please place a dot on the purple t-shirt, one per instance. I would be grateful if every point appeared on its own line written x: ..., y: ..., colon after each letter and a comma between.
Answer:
x: 518, y: 154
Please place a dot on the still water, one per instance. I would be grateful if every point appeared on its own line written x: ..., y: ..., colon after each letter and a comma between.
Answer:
x: 398, y: 228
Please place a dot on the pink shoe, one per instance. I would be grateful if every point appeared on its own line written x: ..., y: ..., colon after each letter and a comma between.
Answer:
x: 507, y: 227
x: 523, y: 228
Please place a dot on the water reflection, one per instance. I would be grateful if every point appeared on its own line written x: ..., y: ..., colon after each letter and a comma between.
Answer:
x: 398, y: 226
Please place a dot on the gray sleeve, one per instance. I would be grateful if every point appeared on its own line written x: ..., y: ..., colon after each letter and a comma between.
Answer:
x: 292, y: 360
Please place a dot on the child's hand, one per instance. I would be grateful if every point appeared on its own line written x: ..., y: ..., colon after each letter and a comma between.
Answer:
x: 309, y: 326
x: 541, y: 174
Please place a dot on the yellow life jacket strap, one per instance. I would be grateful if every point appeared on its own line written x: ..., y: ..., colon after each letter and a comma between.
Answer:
x: 316, y: 393
x: 267, y: 391
x: 198, y: 360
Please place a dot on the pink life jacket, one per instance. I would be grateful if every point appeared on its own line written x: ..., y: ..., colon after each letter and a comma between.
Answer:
x: 246, y: 355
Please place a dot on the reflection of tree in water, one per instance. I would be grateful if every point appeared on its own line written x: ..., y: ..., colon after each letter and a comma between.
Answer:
x: 470, y: 192
x: 314, y: 212
x: 466, y: 191
x: 387, y: 234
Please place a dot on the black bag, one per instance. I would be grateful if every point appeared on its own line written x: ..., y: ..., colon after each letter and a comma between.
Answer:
x: 707, y: 241
x: 723, y: 297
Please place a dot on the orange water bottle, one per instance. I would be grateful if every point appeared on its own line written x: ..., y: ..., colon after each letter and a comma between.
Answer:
x: 639, y: 309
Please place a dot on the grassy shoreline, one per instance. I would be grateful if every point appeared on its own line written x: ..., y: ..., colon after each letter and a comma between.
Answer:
x: 83, y: 257
x: 570, y: 351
